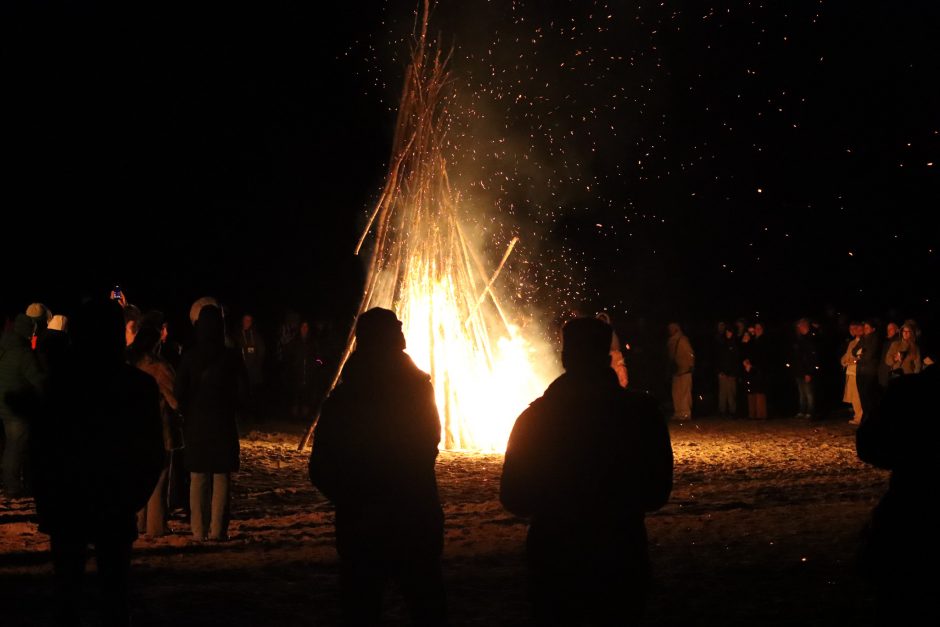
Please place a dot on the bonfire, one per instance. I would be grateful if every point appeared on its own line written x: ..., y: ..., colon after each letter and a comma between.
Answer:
x: 425, y: 267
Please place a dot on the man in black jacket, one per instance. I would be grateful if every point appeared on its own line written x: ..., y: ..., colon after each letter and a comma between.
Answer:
x: 373, y: 456
x: 98, y: 451
x: 804, y: 363
x: 868, y: 359
x: 584, y: 463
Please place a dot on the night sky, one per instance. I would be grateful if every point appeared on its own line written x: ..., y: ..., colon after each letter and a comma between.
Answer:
x: 662, y: 159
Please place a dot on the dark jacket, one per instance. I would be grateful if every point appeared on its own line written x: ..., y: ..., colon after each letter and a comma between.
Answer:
x: 253, y: 351
x: 211, y: 385
x: 868, y: 354
x: 804, y: 358
x: 884, y: 365
x: 585, y: 462
x: 21, y: 379
x: 729, y: 357
x: 97, y: 449
x: 902, y: 437
x: 756, y: 351
x: 374, y: 451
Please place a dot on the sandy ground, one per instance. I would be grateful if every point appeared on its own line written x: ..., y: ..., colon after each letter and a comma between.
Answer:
x: 761, y: 530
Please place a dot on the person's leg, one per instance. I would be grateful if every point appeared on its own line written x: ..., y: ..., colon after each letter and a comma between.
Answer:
x: 177, y: 483
x: 870, y: 392
x: 361, y: 586
x: 221, y: 502
x: 68, y: 562
x: 156, y: 508
x: 855, y: 399
x: 810, y: 398
x: 732, y: 396
x: 801, y: 390
x: 676, y: 396
x: 199, y: 486
x: 613, y: 598
x: 752, y: 406
x: 555, y: 596
x: 686, y: 395
x: 14, y: 455
x: 422, y: 585
x: 761, y: 405
x: 113, y: 557
x: 722, y: 394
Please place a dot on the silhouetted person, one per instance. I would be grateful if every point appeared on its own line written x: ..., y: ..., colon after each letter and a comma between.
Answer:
x: 253, y: 350
x: 210, y: 387
x: 373, y: 457
x: 21, y: 380
x: 892, y: 332
x: 152, y: 518
x: 584, y: 463
x: 867, y: 366
x: 901, y: 436
x: 53, y: 344
x: 729, y: 367
x: 98, y: 451
x: 755, y: 365
x: 304, y: 371
x: 804, y: 364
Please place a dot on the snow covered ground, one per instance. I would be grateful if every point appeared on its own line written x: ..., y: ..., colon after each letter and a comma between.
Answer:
x: 761, y: 530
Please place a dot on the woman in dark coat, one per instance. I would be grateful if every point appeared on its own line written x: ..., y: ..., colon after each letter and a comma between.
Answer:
x: 210, y: 384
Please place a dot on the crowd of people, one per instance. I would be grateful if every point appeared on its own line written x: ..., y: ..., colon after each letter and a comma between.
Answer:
x: 106, y: 419
x: 743, y: 365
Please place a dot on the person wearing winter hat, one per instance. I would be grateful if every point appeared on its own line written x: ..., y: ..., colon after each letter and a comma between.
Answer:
x: 40, y: 315
x: 198, y: 305
x: 373, y: 456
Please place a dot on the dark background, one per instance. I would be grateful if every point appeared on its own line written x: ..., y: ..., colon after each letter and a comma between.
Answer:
x: 235, y: 149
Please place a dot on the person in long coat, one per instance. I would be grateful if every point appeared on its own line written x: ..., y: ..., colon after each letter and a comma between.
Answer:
x: 585, y: 462
x: 373, y: 456
x: 210, y: 387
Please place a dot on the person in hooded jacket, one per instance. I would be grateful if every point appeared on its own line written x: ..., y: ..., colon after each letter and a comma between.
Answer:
x: 211, y: 385
x: 98, y: 451
x: 373, y: 456
x: 585, y: 462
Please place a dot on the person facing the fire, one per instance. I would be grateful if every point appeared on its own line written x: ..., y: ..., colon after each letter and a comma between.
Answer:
x: 373, y: 456
x: 98, y: 451
x: 899, y: 544
x: 584, y: 463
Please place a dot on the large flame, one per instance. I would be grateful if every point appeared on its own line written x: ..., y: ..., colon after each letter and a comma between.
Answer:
x: 482, y: 379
